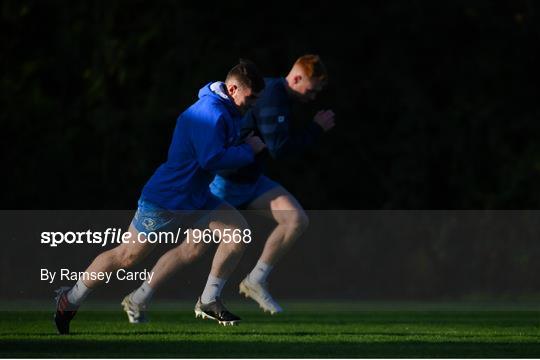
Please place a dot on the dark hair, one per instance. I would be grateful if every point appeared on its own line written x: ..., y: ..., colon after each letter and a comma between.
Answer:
x: 247, y: 74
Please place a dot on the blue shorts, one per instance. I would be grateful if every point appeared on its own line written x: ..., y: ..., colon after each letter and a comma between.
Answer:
x: 240, y: 195
x: 150, y: 217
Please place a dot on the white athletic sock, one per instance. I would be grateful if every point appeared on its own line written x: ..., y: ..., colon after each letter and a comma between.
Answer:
x: 143, y: 294
x: 78, y: 293
x: 260, y: 272
x: 213, y: 288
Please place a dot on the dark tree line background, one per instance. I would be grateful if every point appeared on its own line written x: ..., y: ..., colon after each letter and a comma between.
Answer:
x: 436, y: 102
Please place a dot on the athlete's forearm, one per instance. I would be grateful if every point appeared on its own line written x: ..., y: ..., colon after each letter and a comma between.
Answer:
x: 230, y: 158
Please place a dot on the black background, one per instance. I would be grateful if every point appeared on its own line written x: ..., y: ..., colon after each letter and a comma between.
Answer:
x: 436, y: 102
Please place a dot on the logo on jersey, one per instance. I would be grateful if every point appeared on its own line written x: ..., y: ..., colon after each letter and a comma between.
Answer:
x: 281, y: 118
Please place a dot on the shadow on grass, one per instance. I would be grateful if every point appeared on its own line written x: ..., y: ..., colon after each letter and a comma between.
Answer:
x: 72, y: 347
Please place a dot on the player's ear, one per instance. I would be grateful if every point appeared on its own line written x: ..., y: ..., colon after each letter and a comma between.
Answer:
x: 297, y: 78
x: 232, y: 88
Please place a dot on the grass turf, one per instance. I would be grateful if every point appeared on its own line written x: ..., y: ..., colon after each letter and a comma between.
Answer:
x: 307, y: 330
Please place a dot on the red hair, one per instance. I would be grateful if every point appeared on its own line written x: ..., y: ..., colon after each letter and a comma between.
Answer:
x: 313, y: 66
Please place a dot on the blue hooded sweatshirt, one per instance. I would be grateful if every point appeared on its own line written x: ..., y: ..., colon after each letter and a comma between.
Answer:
x: 205, y: 140
x: 269, y: 118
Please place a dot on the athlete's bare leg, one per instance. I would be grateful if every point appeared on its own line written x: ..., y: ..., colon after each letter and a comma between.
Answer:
x: 291, y: 220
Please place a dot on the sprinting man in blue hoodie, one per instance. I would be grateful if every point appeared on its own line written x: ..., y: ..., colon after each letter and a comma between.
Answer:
x: 248, y: 188
x: 205, y: 140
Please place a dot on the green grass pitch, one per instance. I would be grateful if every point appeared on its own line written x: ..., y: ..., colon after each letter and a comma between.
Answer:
x: 316, y: 329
